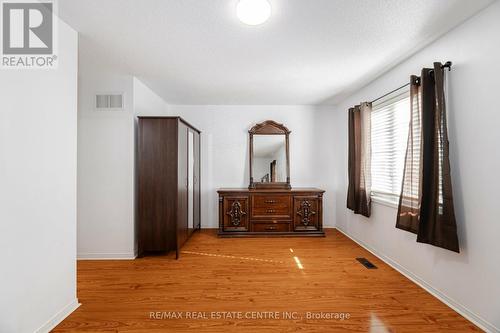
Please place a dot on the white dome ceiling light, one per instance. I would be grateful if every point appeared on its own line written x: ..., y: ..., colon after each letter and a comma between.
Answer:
x: 253, y: 12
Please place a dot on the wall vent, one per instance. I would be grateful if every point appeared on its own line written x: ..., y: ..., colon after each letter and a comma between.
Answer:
x: 109, y: 102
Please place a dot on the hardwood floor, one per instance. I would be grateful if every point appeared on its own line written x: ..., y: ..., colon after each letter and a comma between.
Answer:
x: 252, y: 277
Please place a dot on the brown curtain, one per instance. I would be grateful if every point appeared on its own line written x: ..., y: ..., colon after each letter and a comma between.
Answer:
x: 359, y: 164
x: 409, y: 200
x: 426, y: 202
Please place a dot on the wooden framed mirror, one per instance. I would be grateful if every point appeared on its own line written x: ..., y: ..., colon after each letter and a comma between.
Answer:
x: 269, y: 156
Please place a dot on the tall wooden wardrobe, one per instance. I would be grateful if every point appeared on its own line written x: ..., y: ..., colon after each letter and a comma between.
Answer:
x: 168, y: 183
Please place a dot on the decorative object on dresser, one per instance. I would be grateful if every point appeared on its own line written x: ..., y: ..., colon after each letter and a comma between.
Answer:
x: 168, y: 183
x: 270, y: 206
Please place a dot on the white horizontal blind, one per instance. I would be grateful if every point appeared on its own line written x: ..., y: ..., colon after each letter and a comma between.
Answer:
x: 389, y: 135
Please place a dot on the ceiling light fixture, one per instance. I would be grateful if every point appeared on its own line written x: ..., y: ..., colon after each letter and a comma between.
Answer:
x: 253, y: 12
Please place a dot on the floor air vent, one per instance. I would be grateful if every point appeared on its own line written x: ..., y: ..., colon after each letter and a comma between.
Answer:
x: 365, y: 262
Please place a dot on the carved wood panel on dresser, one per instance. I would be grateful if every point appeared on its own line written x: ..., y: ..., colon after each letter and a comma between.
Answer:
x: 253, y: 212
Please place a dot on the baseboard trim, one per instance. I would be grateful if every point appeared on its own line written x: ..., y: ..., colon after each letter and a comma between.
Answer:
x: 106, y: 256
x: 59, y: 317
x: 456, y: 306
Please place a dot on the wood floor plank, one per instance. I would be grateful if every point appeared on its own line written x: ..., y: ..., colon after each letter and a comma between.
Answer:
x: 254, y: 276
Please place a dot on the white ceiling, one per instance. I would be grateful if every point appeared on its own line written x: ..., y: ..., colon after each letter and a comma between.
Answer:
x: 309, y: 52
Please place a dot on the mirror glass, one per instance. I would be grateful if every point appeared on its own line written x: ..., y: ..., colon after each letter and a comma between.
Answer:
x: 269, y: 158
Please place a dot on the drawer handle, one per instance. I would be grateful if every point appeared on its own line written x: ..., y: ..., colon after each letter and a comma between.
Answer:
x: 270, y: 228
x: 270, y: 201
x: 271, y: 211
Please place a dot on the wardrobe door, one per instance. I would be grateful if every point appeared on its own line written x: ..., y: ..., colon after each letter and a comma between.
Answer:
x: 197, y: 184
x: 156, y: 183
x: 191, y: 181
x: 182, y: 179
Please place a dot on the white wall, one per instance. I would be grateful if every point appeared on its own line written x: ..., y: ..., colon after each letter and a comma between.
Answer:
x: 106, y: 158
x: 224, y: 148
x: 146, y: 101
x: 105, y: 163
x: 38, y: 133
x: 469, y: 281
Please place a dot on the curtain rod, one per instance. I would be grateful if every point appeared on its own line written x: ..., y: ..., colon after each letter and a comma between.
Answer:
x: 446, y: 65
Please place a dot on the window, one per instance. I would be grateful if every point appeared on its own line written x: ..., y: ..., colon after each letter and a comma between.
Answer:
x: 389, y: 135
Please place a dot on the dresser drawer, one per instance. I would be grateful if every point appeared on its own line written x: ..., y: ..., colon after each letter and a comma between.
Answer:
x: 271, y: 206
x: 270, y: 227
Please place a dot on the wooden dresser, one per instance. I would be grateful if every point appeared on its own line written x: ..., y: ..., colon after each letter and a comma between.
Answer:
x: 284, y: 212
